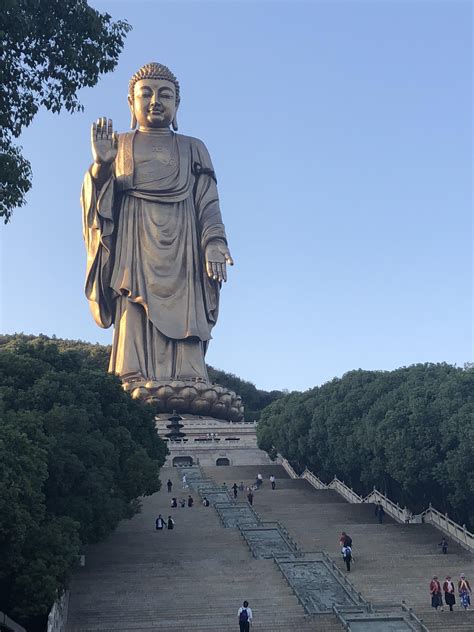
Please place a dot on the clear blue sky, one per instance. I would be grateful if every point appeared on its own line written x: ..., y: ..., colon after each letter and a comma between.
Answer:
x: 341, y: 136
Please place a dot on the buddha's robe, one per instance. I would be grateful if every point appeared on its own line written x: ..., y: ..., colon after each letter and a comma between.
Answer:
x: 146, y: 232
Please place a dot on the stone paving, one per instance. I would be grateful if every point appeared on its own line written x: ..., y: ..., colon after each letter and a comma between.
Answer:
x: 393, y: 562
x: 194, y: 577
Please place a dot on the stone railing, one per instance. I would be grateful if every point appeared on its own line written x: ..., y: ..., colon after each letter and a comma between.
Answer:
x: 57, y: 618
x: 10, y: 624
x: 413, y: 616
x: 313, y: 479
x: 289, y: 470
x: 430, y: 515
x: 392, y: 509
x: 348, y: 493
x: 457, y: 532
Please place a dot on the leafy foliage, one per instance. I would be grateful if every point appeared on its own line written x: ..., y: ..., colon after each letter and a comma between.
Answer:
x: 255, y: 400
x: 50, y: 49
x: 76, y: 453
x: 409, y: 432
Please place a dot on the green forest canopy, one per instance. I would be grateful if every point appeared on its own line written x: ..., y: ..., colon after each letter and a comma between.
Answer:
x: 254, y: 399
x: 76, y: 453
x: 409, y: 432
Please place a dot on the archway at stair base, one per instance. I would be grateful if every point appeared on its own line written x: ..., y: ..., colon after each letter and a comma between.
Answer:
x: 182, y: 461
x: 222, y: 461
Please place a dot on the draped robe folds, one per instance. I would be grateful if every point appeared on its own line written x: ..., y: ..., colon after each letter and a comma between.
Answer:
x: 146, y: 231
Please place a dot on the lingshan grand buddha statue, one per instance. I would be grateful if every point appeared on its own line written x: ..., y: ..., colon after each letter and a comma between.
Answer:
x: 156, y: 251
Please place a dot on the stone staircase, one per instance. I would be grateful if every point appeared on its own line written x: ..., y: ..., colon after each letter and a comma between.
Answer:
x: 393, y: 562
x: 194, y: 577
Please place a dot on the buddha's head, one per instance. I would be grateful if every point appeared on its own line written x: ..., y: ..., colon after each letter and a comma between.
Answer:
x: 153, y: 96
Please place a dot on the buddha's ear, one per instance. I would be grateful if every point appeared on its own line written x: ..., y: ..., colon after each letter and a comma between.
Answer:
x: 174, y: 122
x: 133, y: 120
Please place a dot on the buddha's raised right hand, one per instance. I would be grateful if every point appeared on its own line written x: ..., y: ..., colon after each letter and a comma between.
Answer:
x: 104, y: 142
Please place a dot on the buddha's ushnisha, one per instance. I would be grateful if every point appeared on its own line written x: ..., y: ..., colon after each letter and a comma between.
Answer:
x: 156, y: 245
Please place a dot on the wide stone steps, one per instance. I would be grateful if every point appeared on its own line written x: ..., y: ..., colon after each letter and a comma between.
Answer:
x: 459, y: 621
x: 393, y: 562
x: 194, y: 577
x: 221, y: 625
x: 238, y: 473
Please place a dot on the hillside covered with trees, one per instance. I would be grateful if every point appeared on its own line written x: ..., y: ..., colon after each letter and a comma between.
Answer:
x: 76, y: 453
x: 409, y: 432
x: 255, y: 400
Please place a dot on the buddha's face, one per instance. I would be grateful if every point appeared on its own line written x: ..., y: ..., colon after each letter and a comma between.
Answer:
x: 154, y: 102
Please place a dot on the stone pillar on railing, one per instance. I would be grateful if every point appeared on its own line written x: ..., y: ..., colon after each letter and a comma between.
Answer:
x: 57, y: 618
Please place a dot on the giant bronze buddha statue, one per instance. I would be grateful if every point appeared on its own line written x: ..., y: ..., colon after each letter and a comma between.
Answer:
x: 156, y: 251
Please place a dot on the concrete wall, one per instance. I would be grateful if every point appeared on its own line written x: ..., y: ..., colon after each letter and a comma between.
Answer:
x: 208, y: 440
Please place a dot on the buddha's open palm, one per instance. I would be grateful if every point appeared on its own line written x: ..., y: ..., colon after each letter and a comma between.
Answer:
x: 217, y: 255
x: 103, y: 141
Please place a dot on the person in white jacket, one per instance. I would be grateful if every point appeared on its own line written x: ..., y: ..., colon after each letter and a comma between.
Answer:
x: 245, y: 617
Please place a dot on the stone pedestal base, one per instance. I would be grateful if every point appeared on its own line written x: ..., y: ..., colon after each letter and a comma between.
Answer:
x: 189, y: 397
x: 209, y: 441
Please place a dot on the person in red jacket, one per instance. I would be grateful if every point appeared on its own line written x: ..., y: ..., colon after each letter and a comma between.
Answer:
x: 345, y: 540
x: 435, y: 592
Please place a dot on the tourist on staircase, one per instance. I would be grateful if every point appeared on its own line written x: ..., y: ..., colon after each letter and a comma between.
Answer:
x: 435, y: 592
x: 235, y: 489
x: 169, y: 485
x: 170, y: 523
x: 272, y: 481
x: 449, y: 593
x: 444, y: 546
x: 245, y: 617
x: 205, y: 502
x: 250, y: 496
x: 345, y: 540
x: 190, y: 501
x: 174, y: 503
x: 379, y: 512
x: 159, y: 523
x: 347, y: 557
x: 464, y: 590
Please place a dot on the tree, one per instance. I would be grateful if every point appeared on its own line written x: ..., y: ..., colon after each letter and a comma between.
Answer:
x: 254, y: 399
x: 409, y: 432
x: 76, y: 453
x: 50, y: 49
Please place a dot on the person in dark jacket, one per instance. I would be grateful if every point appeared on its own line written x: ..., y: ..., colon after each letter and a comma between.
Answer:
x: 170, y: 523
x: 449, y: 592
x: 345, y: 540
x: 379, y: 512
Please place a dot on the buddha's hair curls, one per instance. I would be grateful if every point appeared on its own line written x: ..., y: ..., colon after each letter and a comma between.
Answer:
x: 153, y: 71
